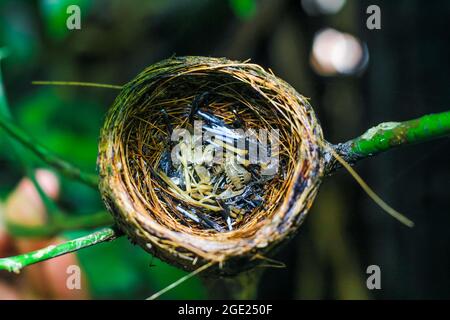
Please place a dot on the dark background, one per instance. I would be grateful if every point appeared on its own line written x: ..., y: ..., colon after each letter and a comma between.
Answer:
x: 406, y: 77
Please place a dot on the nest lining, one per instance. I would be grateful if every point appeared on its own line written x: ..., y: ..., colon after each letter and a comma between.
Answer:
x: 134, y: 137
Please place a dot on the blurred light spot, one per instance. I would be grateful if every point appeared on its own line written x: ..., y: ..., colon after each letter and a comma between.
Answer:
x: 337, y: 53
x: 244, y: 9
x: 316, y: 7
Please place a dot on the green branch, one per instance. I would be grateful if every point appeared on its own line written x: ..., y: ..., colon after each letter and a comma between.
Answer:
x: 16, y: 263
x: 60, y: 165
x: 389, y: 135
x: 60, y: 224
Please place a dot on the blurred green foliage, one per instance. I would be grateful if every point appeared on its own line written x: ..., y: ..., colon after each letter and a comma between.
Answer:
x: 243, y: 8
x: 68, y: 121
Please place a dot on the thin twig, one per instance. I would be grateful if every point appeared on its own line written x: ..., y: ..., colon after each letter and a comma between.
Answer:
x: 181, y: 280
x: 16, y: 263
x: 77, y: 84
x: 376, y: 198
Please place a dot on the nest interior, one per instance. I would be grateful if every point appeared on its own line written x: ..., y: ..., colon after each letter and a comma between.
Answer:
x: 135, y: 136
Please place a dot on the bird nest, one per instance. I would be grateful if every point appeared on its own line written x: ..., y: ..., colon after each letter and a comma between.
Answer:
x: 178, y: 169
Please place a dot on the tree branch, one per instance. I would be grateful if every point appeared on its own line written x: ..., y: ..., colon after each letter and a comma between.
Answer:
x: 16, y: 263
x: 389, y: 135
x: 60, y: 224
x: 47, y: 156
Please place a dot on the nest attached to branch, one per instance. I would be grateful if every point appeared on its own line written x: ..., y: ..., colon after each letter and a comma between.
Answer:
x: 146, y: 205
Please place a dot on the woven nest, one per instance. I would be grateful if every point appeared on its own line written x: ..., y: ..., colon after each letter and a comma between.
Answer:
x: 134, y: 142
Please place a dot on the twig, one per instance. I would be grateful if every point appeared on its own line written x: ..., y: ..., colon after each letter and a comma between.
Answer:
x: 60, y: 224
x: 16, y: 263
x: 389, y: 135
x: 78, y: 84
x: 47, y: 156
x: 376, y: 198
x: 181, y: 280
